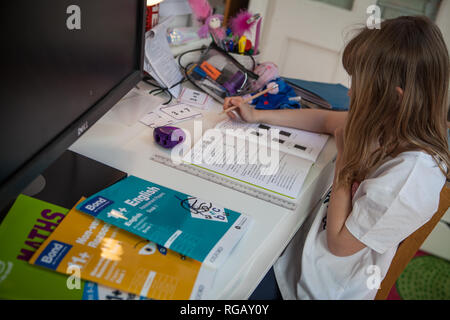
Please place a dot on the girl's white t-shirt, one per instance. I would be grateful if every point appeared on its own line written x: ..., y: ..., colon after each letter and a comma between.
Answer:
x: 397, y: 199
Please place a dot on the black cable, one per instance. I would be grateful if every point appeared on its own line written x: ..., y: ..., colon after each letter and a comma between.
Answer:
x: 186, y: 52
x: 186, y: 68
x: 159, y: 89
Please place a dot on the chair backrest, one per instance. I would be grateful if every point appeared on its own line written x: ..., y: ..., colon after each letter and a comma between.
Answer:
x: 409, y: 247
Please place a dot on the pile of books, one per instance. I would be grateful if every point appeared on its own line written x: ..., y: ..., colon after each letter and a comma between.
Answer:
x: 132, y: 240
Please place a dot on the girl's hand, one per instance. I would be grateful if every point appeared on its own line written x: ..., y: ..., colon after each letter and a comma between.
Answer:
x: 244, y: 111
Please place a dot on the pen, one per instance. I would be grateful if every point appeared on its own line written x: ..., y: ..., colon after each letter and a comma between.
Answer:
x: 253, y: 18
x: 242, y: 42
x: 258, y: 31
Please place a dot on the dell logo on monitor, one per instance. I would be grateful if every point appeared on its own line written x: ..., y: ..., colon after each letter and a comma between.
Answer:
x: 83, y: 128
x: 73, y: 21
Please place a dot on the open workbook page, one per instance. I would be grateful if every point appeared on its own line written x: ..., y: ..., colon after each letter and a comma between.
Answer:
x: 274, y: 160
x: 300, y: 143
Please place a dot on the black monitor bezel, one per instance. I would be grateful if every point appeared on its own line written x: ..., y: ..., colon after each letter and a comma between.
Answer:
x: 16, y: 182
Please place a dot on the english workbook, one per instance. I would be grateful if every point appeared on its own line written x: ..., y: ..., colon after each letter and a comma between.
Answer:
x: 191, y: 226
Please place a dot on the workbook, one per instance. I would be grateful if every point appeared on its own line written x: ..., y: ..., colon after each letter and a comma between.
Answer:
x: 265, y: 161
x: 85, y: 246
x: 29, y: 222
x: 191, y: 226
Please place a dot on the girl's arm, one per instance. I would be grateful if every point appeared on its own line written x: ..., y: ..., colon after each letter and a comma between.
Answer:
x: 320, y: 121
x: 340, y: 241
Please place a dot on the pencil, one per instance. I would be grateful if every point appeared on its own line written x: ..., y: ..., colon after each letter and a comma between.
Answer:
x: 250, y: 99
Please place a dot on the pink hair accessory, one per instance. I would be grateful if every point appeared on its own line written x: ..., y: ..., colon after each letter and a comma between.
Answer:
x: 242, y: 23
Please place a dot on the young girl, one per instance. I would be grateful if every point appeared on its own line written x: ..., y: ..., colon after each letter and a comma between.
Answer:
x: 391, y: 163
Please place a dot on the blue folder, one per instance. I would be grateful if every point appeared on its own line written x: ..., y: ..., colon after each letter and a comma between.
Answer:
x: 335, y: 94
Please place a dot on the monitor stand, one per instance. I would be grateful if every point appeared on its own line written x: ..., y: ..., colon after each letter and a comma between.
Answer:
x: 69, y: 178
x: 35, y: 187
x: 73, y: 176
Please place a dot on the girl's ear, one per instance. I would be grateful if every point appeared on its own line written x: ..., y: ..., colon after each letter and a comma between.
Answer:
x: 399, y: 92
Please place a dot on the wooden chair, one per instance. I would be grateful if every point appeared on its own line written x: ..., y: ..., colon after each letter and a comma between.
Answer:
x: 408, y: 248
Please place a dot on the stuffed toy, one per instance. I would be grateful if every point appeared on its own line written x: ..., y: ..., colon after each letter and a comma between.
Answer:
x: 211, y: 23
x: 277, y: 98
x: 266, y: 71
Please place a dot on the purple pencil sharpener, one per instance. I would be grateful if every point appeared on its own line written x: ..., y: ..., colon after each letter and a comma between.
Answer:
x: 168, y: 137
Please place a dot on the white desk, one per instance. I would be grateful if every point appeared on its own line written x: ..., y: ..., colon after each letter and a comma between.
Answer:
x: 130, y: 147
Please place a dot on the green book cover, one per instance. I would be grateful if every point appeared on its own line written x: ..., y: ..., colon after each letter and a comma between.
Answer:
x: 28, y: 223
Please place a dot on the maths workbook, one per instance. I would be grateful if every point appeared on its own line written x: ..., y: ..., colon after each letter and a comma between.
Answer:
x: 28, y: 223
x: 93, y: 250
x: 194, y: 227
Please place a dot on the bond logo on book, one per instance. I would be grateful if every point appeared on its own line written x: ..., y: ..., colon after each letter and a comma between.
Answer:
x: 53, y: 254
x: 96, y: 205
x: 202, y: 209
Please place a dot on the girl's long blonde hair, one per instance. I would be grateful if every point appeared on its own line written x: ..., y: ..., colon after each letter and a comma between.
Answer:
x: 409, y: 53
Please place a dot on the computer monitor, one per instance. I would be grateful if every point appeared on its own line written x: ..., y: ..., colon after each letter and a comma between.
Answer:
x: 64, y: 64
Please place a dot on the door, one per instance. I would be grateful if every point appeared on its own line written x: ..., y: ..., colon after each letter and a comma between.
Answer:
x: 306, y: 38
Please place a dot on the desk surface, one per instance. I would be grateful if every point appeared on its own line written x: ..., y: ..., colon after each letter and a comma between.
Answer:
x: 119, y: 140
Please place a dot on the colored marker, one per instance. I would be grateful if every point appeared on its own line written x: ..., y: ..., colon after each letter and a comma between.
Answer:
x: 242, y: 43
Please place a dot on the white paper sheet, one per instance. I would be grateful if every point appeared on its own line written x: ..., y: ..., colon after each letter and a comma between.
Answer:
x: 171, y: 114
x: 195, y: 98
x: 159, y: 61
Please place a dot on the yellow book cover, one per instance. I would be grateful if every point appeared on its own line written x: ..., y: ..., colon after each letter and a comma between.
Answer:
x: 85, y: 247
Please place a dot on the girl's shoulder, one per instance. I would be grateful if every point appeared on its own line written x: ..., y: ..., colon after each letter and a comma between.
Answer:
x: 406, y: 162
x: 411, y: 177
x: 398, y: 198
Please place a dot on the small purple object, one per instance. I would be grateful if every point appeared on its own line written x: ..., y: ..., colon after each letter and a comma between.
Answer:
x: 235, y: 83
x: 168, y: 137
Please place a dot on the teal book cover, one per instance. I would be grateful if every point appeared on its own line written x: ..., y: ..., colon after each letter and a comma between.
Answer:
x: 194, y: 227
x: 28, y: 223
